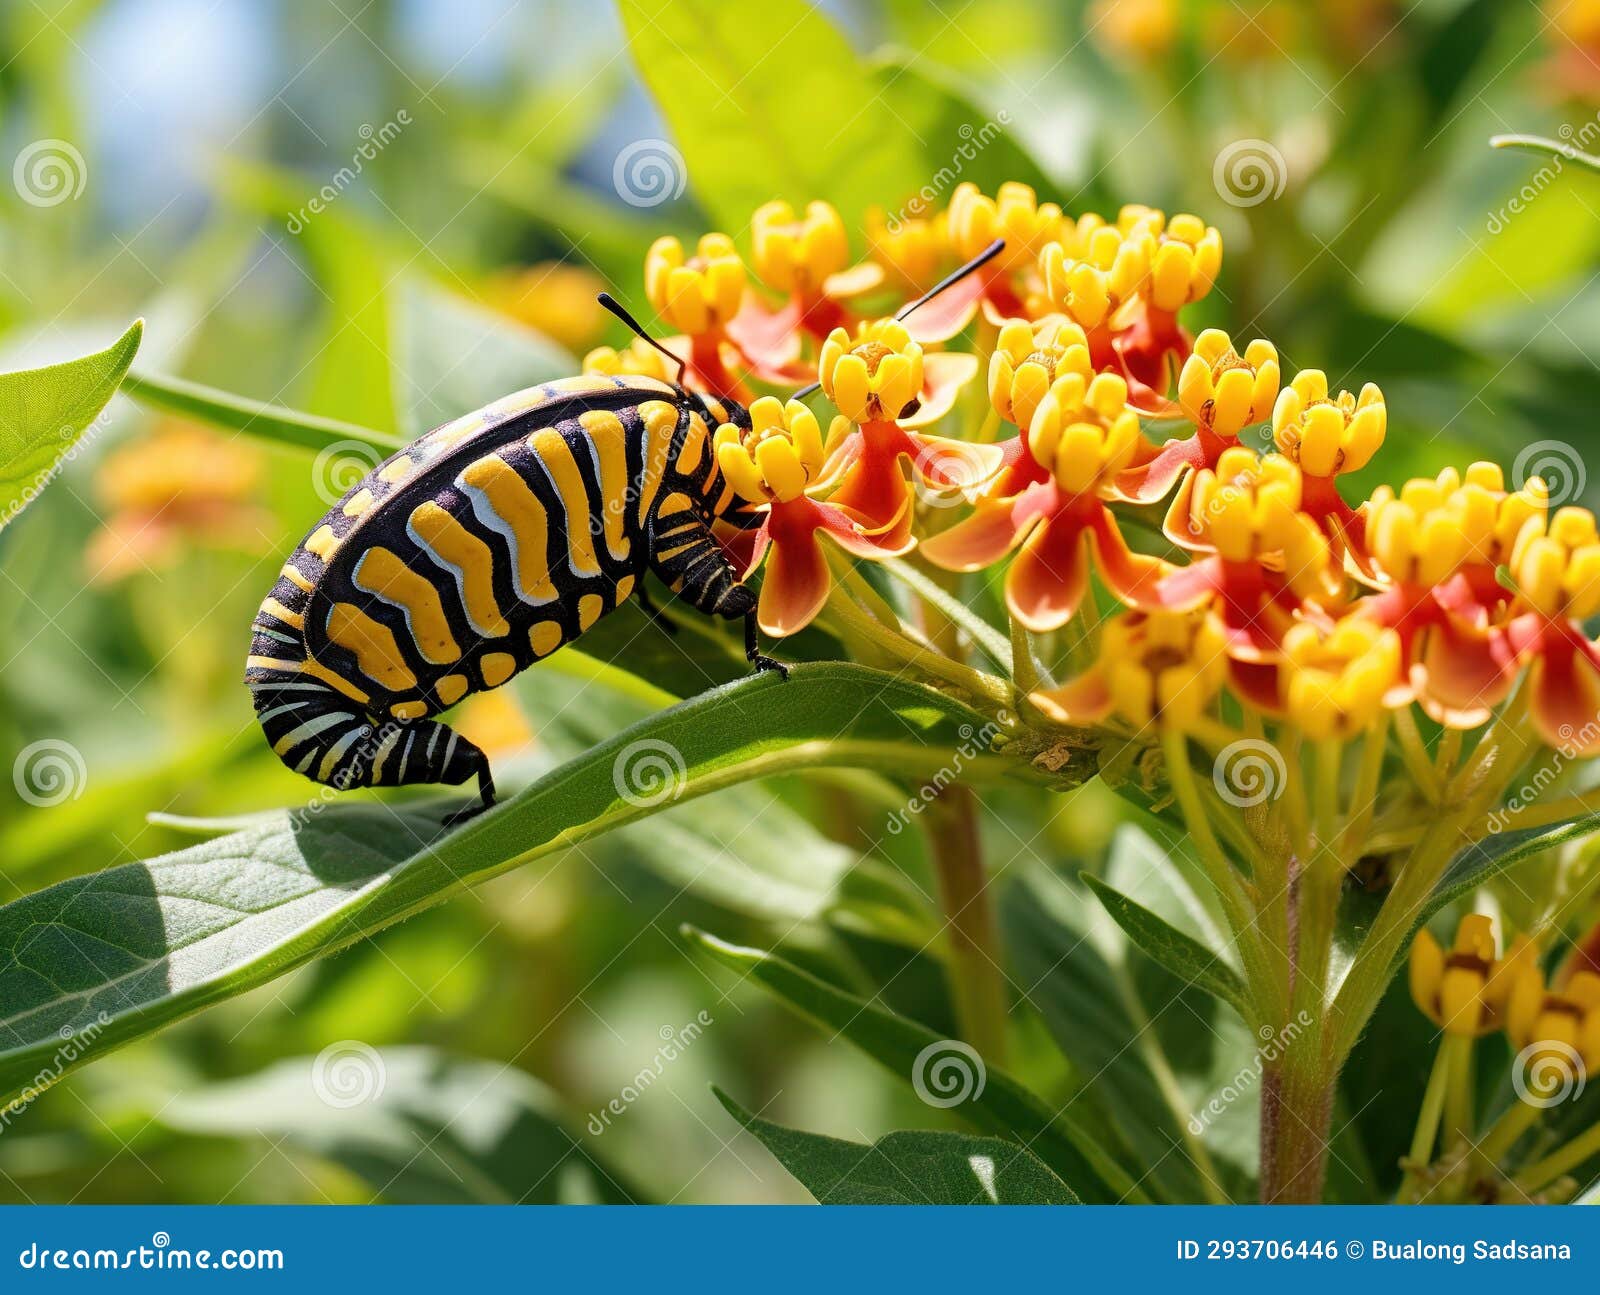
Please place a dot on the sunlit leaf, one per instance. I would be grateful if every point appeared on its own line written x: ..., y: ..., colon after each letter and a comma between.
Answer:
x: 44, y: 412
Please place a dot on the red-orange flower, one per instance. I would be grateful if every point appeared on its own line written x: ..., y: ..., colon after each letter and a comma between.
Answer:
x: 773, y: 464
x: 1081, y: 434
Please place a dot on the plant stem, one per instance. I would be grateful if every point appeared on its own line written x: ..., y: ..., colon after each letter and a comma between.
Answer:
x: 1427, y: 1130
x: 1536, y: 1177
x: 1296, y: 1113
x: 977, y: 984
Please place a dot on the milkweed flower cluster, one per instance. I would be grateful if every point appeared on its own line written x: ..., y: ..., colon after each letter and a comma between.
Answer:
x: 1551, y: 1021
x: 1323, y: 611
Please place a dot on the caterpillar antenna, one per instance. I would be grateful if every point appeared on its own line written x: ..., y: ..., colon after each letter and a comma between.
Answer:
x: 955, y: 276
x: 620, y: 311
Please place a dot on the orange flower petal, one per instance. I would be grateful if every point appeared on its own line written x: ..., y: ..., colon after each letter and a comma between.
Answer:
x: 944, y: 373
x: 978, y: 541
x: 1049, y: 576
x: 795, y: 584
x: 948, y: 313
x: 1084, y: 700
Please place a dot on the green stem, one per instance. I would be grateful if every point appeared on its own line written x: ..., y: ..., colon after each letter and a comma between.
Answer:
x: 1433, y: 1098
x: 977, y: 984
x: 1539, y: 1175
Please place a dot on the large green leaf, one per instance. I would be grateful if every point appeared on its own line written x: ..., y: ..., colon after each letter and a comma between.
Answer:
x: 116, y: 955
x: 988, y: 1098
x: 775, y: 105
x: 417, y: 1125
x: 44, y: 411
x: 908, y: 1168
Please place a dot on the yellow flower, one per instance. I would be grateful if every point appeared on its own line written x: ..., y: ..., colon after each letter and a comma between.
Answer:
x: 1564, y: 1018
x: 1092, y: 269
x: 638, y: 358
x: 777, y: 457
x: 1558, y: 572
x: 1247, y: 506
x: 1083, y: 431
x: 1223, y: 391
x: 875, y: 378
x: 1184, y: 255
x: 1014, y: 214
x: 1466, y: 991
x: 915, y: 249
x: 698, y: 294
x: 793, y: 255
x: 1327, y: 435
x: 1335, y: 684
x: 1156, y: 667
x: 1028, y: 358
x: 557, y: 299
x: 1425, y: 533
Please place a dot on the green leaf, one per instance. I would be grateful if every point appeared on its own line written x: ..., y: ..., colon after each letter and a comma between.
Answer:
x: 44, y: 411
x: 908, y: 1168
x: 452, y: 356
x: 118, y: 954
x: 1151, y: 1050
x: 239, y: 414
x: 994, y: 1101
x: 419, y: 1126
x: 779, y: 107
x: 1183, y: 956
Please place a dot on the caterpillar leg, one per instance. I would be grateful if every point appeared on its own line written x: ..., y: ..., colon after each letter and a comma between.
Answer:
x: 687, y: 557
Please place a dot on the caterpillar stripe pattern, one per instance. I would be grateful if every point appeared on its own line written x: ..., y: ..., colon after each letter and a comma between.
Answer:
x: 480, y: 548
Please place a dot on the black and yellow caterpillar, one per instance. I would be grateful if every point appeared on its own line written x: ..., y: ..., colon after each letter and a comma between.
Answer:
x: 478, y: 549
